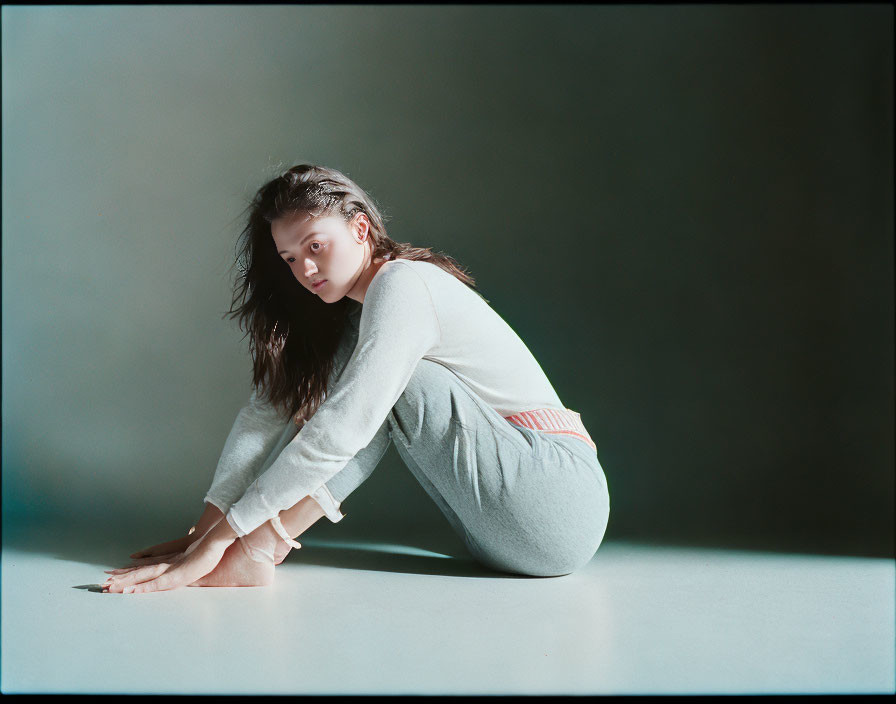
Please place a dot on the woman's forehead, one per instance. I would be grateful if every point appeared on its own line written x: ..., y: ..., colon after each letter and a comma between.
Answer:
x: 300, y: 225
x: 295, y: 223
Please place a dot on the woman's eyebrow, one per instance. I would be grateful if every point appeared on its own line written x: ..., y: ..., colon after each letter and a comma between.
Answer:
x: 307, y: 237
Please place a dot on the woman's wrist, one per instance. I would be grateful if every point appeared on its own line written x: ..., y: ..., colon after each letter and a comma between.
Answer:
x: 222, y: 534
x: 209, y: 519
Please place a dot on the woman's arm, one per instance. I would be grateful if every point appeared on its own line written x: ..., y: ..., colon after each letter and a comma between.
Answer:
x: 210, y: 516
x: 398, y: 329
x: 252, y: 437
x: 209, y: 519
x: 257, y: 429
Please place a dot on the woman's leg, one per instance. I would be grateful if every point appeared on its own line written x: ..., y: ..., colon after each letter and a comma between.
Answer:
x: 523, y: 501
x: 361, y: 465
x: 250, y: 561
x: 349, y: 478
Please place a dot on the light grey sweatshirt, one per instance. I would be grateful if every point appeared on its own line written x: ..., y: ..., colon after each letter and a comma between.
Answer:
x: 412, y: 310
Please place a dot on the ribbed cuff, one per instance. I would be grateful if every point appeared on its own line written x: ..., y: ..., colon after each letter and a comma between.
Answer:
x: 229, y: 517
x: 222, y: 506
x: 328, y: 503
x: 281, y: 531
x: 250, y: 511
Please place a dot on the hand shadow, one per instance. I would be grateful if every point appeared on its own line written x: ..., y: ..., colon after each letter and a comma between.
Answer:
x: 398, y: 550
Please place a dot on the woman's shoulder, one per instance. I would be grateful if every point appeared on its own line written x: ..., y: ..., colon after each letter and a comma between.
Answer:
x: 397, y: 271
x: 399, y: 267
x: 421, y: 266
x: 414, y: 273
x: 402, y: 278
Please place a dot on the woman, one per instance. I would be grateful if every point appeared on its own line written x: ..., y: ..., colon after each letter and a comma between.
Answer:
x: 358, y: 341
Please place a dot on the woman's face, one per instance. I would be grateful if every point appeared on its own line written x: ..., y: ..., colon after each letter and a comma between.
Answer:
x: 326, y: 249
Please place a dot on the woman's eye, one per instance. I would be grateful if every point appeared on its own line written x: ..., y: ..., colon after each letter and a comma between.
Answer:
x: 290, y: 260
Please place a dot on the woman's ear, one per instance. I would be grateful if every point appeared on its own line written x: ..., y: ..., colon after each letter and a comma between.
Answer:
x: 362, y: 228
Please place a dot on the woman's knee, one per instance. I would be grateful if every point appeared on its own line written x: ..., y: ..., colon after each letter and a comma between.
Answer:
x: 423, y: 394
x: 529, y: 568
x: 562, y: 566
x: 427, y: 375
x: 540, y: 561
x: 573, y: 551
x: 557, y: 553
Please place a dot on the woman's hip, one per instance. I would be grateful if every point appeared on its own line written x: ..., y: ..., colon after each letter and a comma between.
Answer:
x: 527, y: 497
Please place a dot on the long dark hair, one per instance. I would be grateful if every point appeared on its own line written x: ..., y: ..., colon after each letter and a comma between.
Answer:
x: 290, y: 367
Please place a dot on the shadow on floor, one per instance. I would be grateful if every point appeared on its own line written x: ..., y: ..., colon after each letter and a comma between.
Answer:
x: 390, y: 551
x: 383, y: 557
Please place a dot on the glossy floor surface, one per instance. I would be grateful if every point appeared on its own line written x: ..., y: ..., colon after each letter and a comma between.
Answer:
x: 383, y: 616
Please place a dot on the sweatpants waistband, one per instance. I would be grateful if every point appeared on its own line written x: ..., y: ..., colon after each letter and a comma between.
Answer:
x: 563, y: 421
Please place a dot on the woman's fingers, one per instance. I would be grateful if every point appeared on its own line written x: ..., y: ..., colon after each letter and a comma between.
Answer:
x: 184, y: 571
x: 139, y: 574
x: 117, y: 583
x: 140, y: 562
x: 144, y: 562
x: 154, y: 551
x: 121, y: 570
x: 176, y: 545
x: 162, y: 583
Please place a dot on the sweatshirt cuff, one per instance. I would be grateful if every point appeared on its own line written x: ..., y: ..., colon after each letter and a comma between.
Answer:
x: 231, y: 519
x: 252, y: 510
x: 328, y: 503
x: 222, y: 506
x: 249, y: 512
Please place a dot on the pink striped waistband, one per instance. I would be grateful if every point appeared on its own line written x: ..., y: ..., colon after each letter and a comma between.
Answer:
x: 563, y: 421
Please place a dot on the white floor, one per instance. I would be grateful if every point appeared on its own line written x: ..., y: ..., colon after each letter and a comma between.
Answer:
x: 379, y: 618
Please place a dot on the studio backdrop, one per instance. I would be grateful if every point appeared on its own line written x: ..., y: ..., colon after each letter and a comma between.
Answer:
x: 685, y: 212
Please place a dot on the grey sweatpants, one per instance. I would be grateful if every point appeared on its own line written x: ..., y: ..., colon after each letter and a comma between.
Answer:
x: 523, y: 501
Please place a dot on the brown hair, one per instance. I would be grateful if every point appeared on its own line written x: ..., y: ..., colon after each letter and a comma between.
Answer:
x: 291, y: 368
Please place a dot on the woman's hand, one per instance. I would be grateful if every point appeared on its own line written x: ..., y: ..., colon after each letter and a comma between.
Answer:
x: 157, y: 554
x: 211, y: 516
x: 166, y: 549
x: 200, y: 558
x: 156, y: 560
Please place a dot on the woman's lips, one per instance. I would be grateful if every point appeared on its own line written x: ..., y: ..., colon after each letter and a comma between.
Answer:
x: 318, y: 286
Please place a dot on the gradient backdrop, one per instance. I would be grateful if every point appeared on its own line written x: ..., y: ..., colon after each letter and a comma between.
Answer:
x: 686, y: 212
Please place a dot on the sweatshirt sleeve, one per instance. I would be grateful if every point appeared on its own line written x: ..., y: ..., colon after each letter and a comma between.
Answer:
x: 251, y: 439
x: 398, y: 327
x: 256, y: 431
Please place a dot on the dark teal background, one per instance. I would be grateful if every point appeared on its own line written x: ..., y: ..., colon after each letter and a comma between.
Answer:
x: 686, y: 212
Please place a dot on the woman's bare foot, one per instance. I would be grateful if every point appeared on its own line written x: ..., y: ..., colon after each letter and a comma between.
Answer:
x: 281, y: 551
x: 237, y: 569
